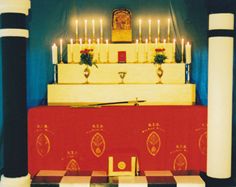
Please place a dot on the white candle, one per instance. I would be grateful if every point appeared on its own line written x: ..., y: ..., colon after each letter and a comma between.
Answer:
x: 76, y: 28
x: 136, y: 45
x: 54, y: 54
x: 71, y: 49
x: 89, y: 43
x: 140, y: 30
x: 188, y: 53
x: 174, y: 49
x: 93, y: 30
x: 150, y: 30
x: 182, y: 49
x: 98, y: 49
x: 168, y: 30
x: 156, y: 40
x: 80, y: 41
x: 164, y: 43
x: 146, y: 46
x: 107, y: 50
x: 85, y: 30
x: 61, y: 47
x: 158, y: 29
x: 101, y: 30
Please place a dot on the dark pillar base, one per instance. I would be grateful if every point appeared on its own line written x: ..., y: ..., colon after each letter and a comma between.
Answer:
x: 212, y: 182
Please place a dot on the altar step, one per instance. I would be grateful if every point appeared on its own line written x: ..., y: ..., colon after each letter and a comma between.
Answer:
x: 61, y: 178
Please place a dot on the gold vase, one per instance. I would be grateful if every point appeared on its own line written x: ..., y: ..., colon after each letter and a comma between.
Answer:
x: 86, y: 74
x: 159, y: 72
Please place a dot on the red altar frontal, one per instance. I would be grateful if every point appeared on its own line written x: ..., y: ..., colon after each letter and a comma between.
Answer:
x: 162, y: 137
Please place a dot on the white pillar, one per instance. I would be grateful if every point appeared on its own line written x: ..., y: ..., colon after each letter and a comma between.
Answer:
x: 220, y: 89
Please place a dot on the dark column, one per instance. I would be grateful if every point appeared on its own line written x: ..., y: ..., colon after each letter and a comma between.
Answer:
x: 14, y: 36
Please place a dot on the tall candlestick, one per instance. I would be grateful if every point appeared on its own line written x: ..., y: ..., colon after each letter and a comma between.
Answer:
x: 164, y: 43
x: 156, y: 41
x: 93, y: 31
x: 182, y: 50
x: 146, y: 49
x: 188, y: 53
x: 107, y: 50
x: 174, y: 49
x: 168, y: 31
x: 140, y: 30
x: 158, y: 30
x: 71, y: 49
x: 98, y: 48
x: 89, y: 43
x: 86, y: 31
x: 61, y: 50
x: 137, y: 50
x: 80, y: 41
x: 76, y: 31
x: 150, y: 30
x: 101, y: 30
x: 54, y: 54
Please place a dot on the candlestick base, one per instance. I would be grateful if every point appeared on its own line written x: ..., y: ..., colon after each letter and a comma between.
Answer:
x: 55, y: 73
x: 61, y: 62
x: 188, y: 71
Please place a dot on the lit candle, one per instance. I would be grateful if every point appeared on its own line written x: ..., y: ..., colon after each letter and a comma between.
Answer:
x: 85, y: 30
x: 80, y: 41
x: 137, y: 45
x: 107, y: 50
x: 54, y: 54
x: 150, y: 30
x: 98, y: 48
x: 61, y: 47
x: 168, y: 30
x: 164, y: 43
x: 61, y: 51
x: 76, y: 30
x: 158, y: 29
x: 156, y: 40
x: 89, y: 43
x: 146, y: 49
x: 174, y: 49
x: 188, y: 53
x: 140, y: 30
x: 93, y: 30
x: 182, y: 50
x: 71, y: 49
x: 101, y: 30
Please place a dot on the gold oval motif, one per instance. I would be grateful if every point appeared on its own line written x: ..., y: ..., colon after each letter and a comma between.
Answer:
x: 98, y: 144
x: 180, y: 162
x: 153, y: 143
x: 43, y: 145
x: 202, y: 143
x: 72, y: 165
x: 121, y: 165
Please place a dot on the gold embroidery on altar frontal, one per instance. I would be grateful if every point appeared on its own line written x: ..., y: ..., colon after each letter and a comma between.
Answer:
x: 202, y: 140
x: 43, y: 145
x: 97, y: 143
x: 72, y: 164
x: 153, y: 140
x: 180, y: 161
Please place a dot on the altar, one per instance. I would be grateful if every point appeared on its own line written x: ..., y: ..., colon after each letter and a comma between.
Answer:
x: 74, y: 139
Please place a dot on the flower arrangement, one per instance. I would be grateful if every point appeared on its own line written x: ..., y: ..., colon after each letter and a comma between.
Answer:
x: 86, y: 57
x: 160, y: 56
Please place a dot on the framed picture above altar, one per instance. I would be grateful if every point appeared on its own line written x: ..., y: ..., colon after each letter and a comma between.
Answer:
x: 121, y: 25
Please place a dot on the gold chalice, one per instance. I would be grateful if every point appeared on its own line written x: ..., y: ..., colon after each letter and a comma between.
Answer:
x: 122, y: 76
